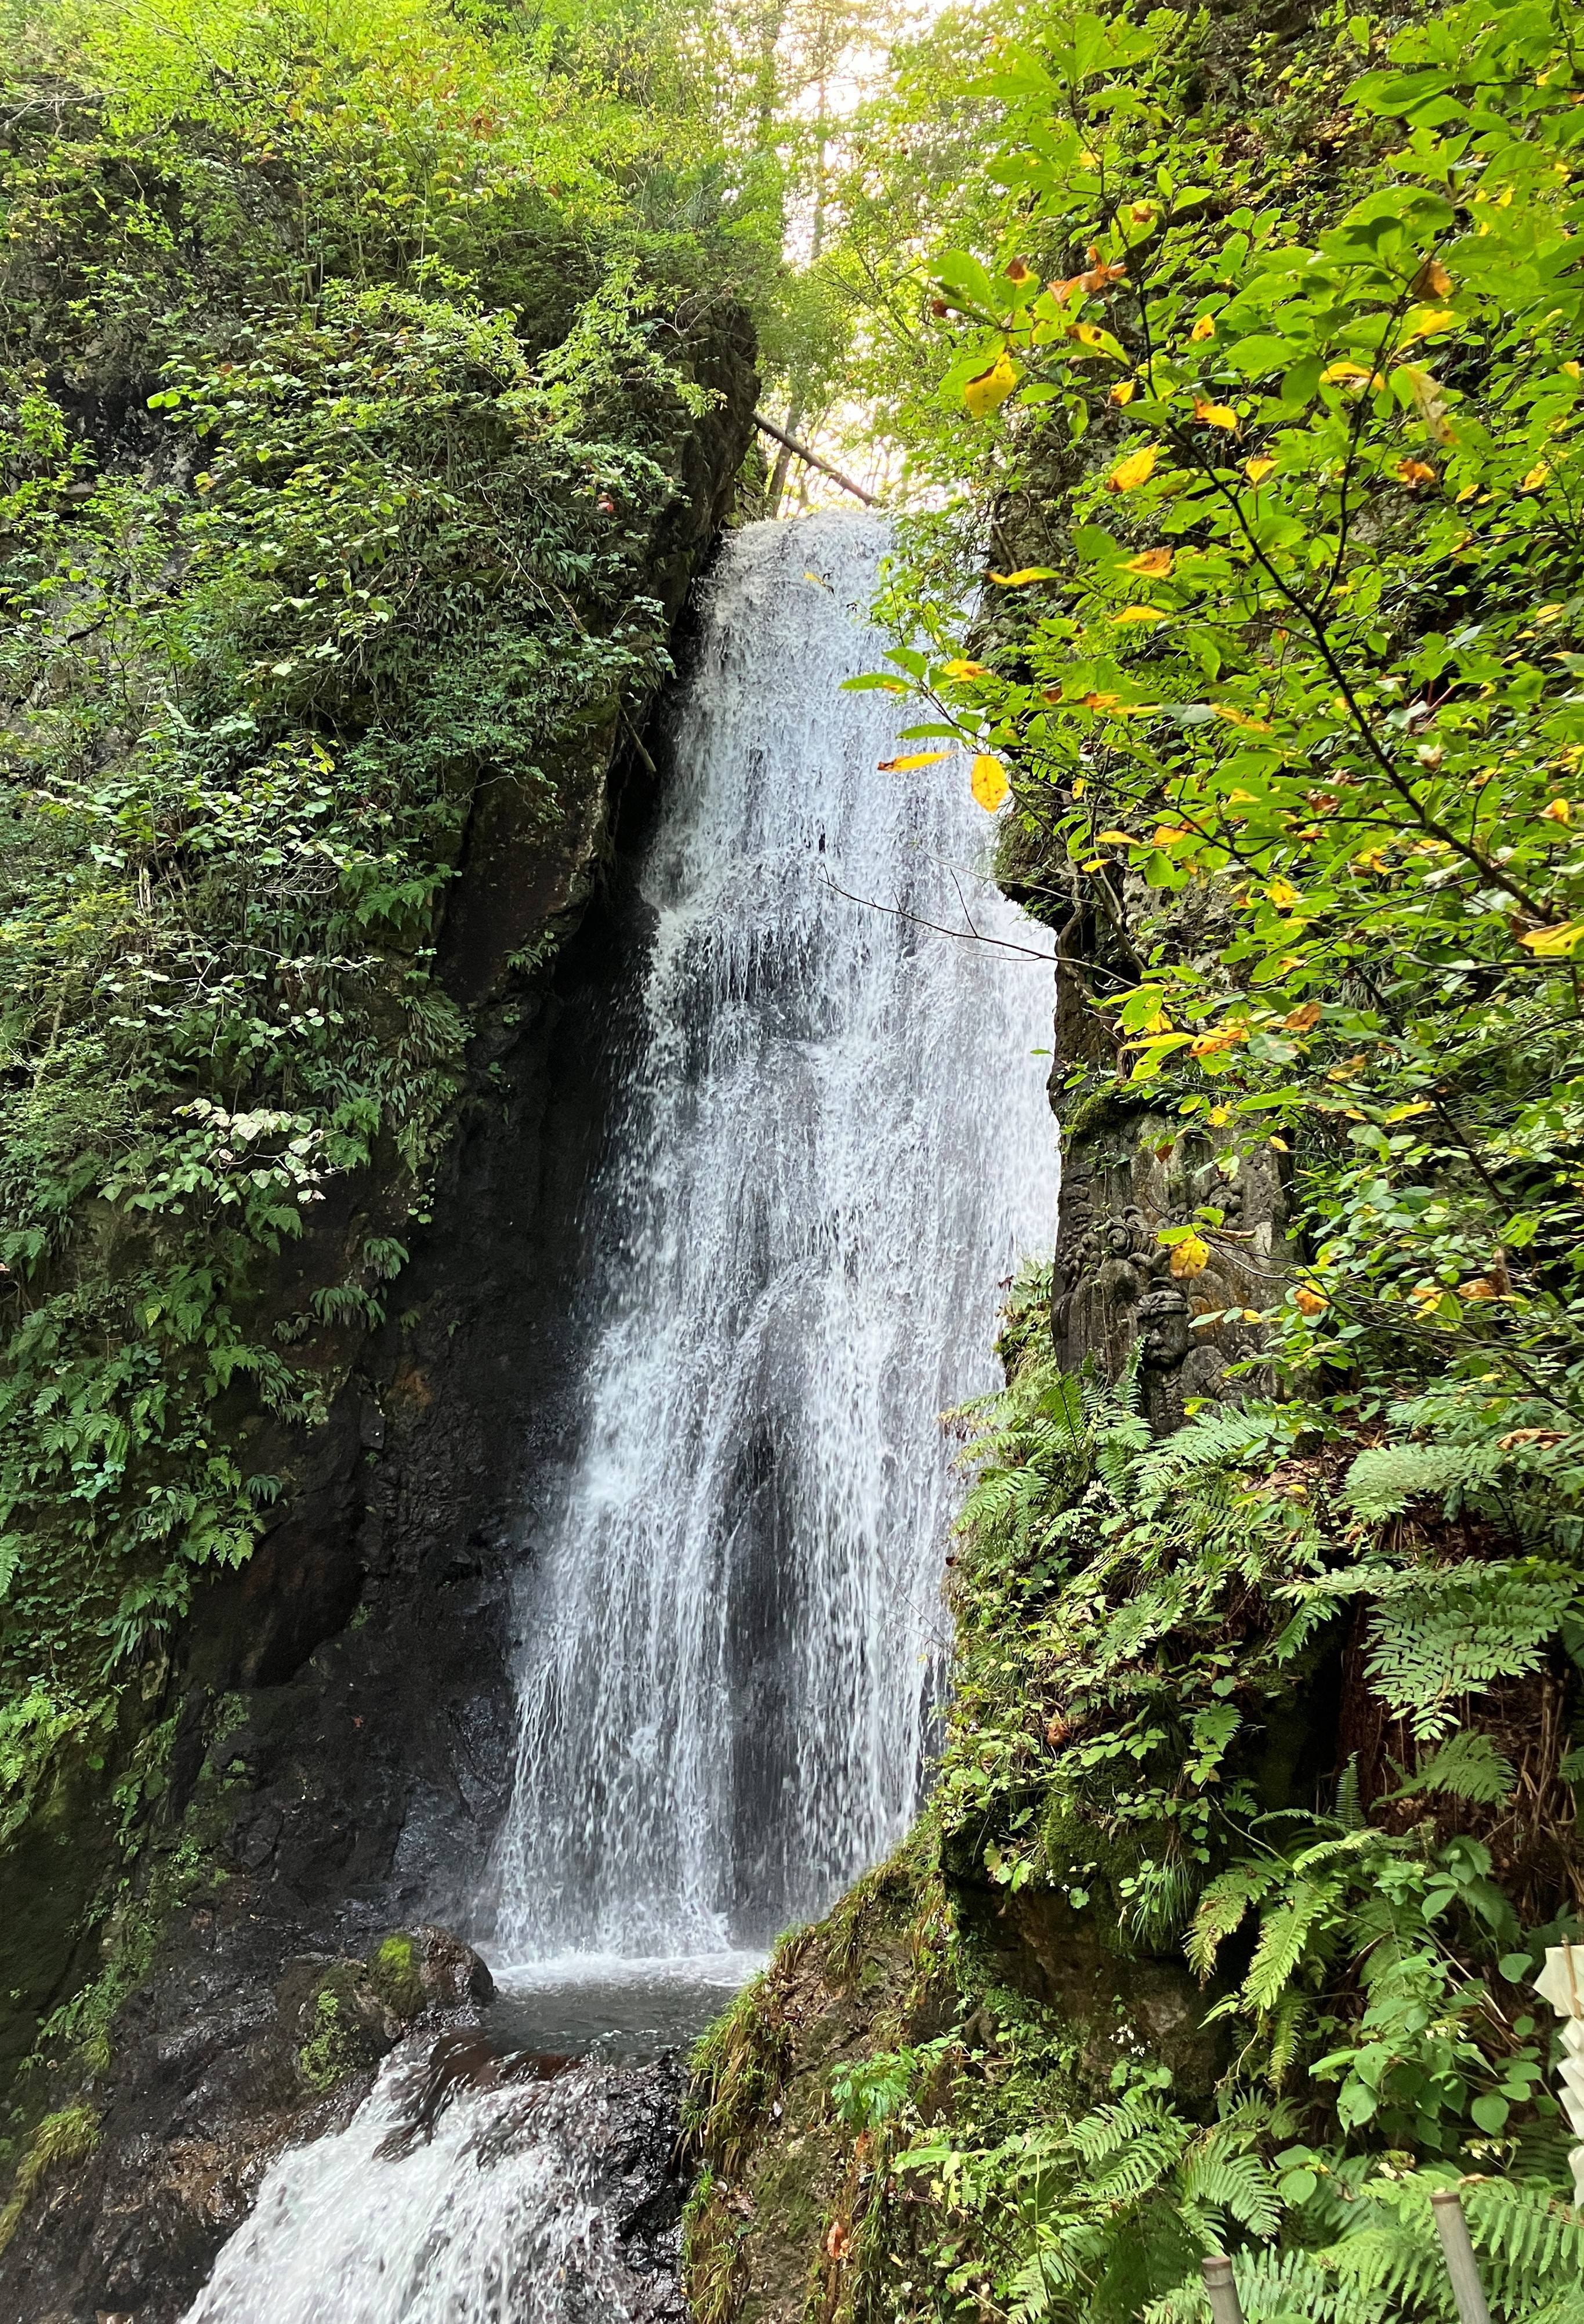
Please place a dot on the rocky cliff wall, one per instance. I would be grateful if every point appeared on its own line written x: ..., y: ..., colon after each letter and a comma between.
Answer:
x: 314, y: 1770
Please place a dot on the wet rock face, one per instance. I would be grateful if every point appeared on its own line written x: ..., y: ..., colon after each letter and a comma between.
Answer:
x: 218, y: 2071
x: 552, y: 2197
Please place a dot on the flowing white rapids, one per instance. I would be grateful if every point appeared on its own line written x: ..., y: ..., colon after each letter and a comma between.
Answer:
x: 831, y: 1145
x: 508, y: 2215
x: 834, y: 1143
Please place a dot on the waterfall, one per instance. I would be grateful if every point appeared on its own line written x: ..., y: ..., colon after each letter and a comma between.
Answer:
x: 511, y: 2214
x: 831, y: 1145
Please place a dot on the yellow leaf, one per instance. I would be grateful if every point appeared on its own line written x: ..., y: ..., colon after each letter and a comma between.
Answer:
x: 1124, y: 390
x: 1190, y: 1258
x: 904, y: 766
x: 1303, y: 1019
x: 1308, y: 1301
x: 1258, y: 470
x: 1116, y: 839
x: 1481, y: 1288
x: 1137, y: 468
x: 1216, y: 1044
x: 1338, y: 373
x: 1096, y: 702
x: 1236, y: 718
x: 1140, y: 614
x: 1414, y: 472
x: 817, y: 578
x: 1572, y: 370
x: 1559, y: 811
x: 1432, y: 280
x: 1205, y: 328
x: 1023, y: 575
x: 988, y: 391
x: 1555, y: 944
x: 989, y: 782
x: 1214, y: 415
x: 1154, y: 564
x: 1536, y: 477
x: 1426, y: 319
x: 966, y: 670
x: 1283, y: 894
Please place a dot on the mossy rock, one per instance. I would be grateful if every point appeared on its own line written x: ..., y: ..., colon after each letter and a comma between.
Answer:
x: 395, y: 1972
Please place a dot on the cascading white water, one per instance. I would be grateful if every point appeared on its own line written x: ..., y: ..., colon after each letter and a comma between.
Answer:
x: 506, y: 2217
x: 832, y: 1144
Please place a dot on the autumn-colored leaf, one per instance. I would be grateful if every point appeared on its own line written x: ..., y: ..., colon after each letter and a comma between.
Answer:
x: 1023, y: 575
x: 1479, y: 1287
x: 1559, y: 811
x: 1141, y: 613
x: 1554, y: 944
x: 990, y: 390
x: 1432, y: 280
x: 1100, y: 275
x: 1137, y: 468
x: 961, y: 669
x: 1257, y: 469
x: 1303, y: 1019
x: 1217, y: 1043
x: 1189, y: 1258
x: 906, y: 765
x: 1308, y: 1301
x: 989, y: 782
x: 1414, y: 472
x: 1018, y: 271
x: 1124, y: 390
x: 1154, y: 564
x: 1340, y: 374
x: 1214, y: 415
x: 1205, y: 328
x: 1537, y: 476
x: 1236, y: 718
x: 1282, y: 894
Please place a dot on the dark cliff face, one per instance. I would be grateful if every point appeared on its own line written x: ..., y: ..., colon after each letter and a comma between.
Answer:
x: 336, y: 1721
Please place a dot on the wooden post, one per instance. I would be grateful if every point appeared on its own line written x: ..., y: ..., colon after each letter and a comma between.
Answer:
x: 1225, y: 2306
x: 1452, y: 2227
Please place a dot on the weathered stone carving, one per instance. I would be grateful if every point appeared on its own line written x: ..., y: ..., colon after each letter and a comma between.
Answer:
x: 1131, y: 1168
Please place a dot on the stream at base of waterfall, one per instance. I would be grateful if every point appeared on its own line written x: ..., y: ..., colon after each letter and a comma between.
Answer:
x: 831, y: 1145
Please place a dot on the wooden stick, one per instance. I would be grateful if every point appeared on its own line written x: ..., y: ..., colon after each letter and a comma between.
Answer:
x: 803, y: 452
x: 1457, y: 2252
x: 1225, y: 2306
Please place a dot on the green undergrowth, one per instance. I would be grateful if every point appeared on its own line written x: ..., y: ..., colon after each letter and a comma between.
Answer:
x: 342, y: 391
x: 996, y: 2116
x: 59, y: 2141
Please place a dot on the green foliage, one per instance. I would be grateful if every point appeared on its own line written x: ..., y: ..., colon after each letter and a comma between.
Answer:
x: 342, y: 389
x: 62, y: 2139
x: 1304, y: 668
